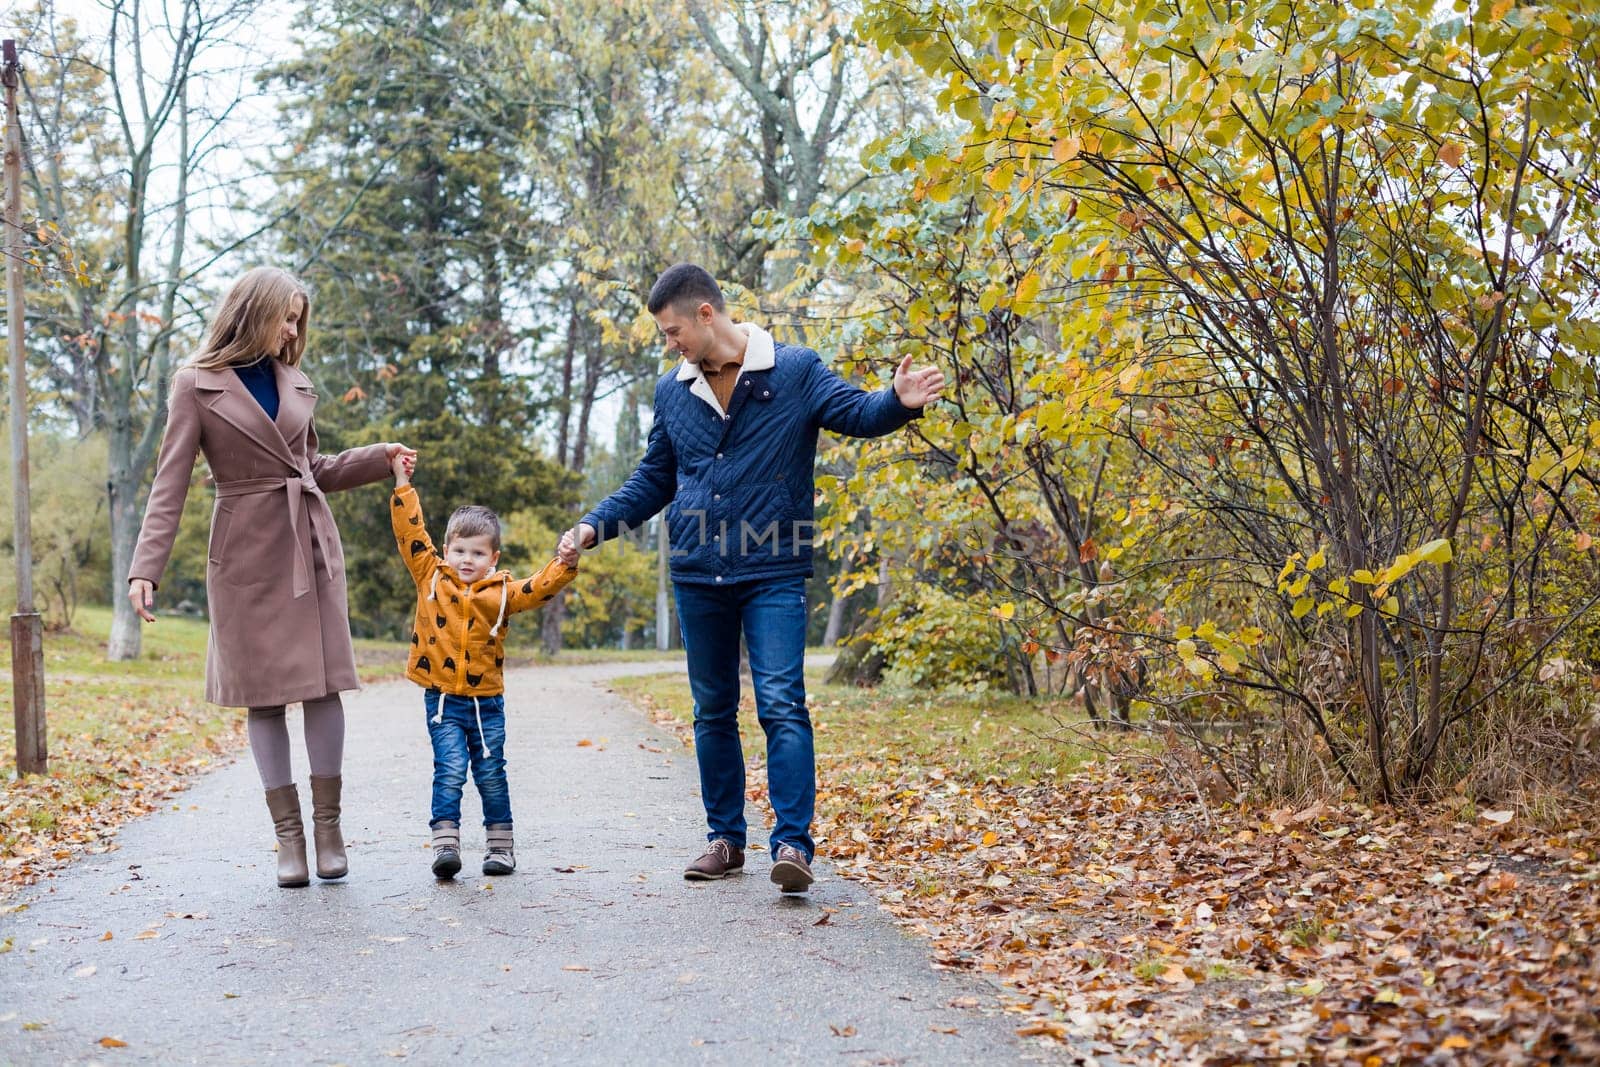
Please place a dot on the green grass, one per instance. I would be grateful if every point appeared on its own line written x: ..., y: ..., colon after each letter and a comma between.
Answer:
x: 579, y: 656
x: 1309, y: 932
x: 1150, y: 968
x: 173, y: 651
x: 528, y: 654
x: 972, y: 736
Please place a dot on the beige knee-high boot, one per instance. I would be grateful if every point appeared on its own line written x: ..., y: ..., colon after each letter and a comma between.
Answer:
x: 331, y: 860
x: 284, y: 805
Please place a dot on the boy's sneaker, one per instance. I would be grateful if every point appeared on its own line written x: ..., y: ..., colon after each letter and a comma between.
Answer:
x: 501, y: 857
x: 446, y: 850
x: 721, y: 857
x: 790, y: 871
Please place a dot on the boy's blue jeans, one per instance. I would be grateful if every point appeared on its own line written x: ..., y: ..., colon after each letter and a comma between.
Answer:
x: 464, y: 736
x: 772, y: 616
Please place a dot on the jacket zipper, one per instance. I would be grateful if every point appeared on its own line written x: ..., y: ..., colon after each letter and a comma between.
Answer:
x: 466, y: 622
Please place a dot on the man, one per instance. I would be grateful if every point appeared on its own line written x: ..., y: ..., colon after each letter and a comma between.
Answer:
x: 730, y: 456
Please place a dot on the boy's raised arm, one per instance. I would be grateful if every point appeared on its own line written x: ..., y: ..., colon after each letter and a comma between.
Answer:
x: 528, y: 593
x: 411, y: 533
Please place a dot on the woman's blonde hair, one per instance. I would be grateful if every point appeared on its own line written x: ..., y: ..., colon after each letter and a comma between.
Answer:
x: 246, y: 323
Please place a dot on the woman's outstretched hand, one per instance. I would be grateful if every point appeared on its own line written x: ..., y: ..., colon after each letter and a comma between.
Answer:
x: 394, y: 449
x: 142, y: 595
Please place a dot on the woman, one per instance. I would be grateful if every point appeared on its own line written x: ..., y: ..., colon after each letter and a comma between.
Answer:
x: 275, y: 589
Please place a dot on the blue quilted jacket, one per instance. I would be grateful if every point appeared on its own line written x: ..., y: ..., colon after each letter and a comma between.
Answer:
x: 737, y: 486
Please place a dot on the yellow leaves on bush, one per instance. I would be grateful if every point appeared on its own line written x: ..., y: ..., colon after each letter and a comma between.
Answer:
x: 1027, y: 293
x: 1437, y: 552
x: 1066, y: 149
x: 1568, y: 461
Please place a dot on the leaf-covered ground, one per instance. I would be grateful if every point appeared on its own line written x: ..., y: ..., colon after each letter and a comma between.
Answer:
x: 1144, y: 925
x: 122, y: 738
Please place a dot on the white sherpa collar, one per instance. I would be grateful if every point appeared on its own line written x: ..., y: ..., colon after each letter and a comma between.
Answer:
x: 759, y: 355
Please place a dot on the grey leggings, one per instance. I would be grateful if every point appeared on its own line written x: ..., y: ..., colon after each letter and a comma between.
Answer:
x: 269, y: 740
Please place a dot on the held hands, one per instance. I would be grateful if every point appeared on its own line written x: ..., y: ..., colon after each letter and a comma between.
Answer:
x: 574, y: 541
x: 403, y: 461
x: 917, y: 388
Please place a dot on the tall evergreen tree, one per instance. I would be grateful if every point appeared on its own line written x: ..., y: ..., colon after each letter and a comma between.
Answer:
x: 412, y: 212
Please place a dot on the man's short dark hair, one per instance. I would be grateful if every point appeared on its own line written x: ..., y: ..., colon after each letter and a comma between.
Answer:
x: 683, y: 284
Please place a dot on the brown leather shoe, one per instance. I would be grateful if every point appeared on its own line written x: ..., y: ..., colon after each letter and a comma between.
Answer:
x: 721, y: 857
x: 790, y: 871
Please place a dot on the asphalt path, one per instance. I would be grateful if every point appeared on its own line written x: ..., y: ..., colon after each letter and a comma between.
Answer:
x: 179, y: 945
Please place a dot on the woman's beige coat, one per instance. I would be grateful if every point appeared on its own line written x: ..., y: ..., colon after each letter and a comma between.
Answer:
x: 280, y: 629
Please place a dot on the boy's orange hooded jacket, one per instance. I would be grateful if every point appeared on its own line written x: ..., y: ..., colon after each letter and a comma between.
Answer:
x: 458, y: 638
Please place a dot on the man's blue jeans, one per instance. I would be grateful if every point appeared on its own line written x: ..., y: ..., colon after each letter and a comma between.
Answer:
x: 772, y: 616
x: 468, y: 732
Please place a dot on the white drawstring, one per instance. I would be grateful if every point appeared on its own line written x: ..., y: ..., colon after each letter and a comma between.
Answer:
x: 477, y: 712
x: 433, y: 584
x: 484, y: 741
x: 494, y: 630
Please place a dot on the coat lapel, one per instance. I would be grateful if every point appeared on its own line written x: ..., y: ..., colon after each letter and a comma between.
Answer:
x: 226, y: 396
x: 297, y: 399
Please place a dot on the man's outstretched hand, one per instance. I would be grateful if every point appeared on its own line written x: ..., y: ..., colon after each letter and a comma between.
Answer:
x: 574, y: 541
x: 916, y: 388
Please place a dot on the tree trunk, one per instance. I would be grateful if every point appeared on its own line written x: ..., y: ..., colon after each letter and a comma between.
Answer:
x: 123, y: 489
x: 591, y: 385
x: 131, y: 451
x: 835, y: 627
x: 564, y: 407
x: 555, y: 613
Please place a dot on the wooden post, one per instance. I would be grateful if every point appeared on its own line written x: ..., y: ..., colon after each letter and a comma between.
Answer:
x: 27, y: 633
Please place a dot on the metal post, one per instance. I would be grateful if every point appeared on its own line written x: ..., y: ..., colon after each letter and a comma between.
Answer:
x: 27, y: 633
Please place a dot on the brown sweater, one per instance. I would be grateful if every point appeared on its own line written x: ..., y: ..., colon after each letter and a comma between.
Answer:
x: 722, y: 383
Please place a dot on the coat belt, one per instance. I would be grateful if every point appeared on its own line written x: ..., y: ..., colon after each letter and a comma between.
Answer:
x: 322, y: 527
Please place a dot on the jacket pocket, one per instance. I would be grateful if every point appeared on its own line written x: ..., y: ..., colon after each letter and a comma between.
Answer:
x: 249, y: 548
x: 221, y: 523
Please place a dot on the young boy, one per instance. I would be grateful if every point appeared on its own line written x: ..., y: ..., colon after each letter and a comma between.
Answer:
x: 457, y: 651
